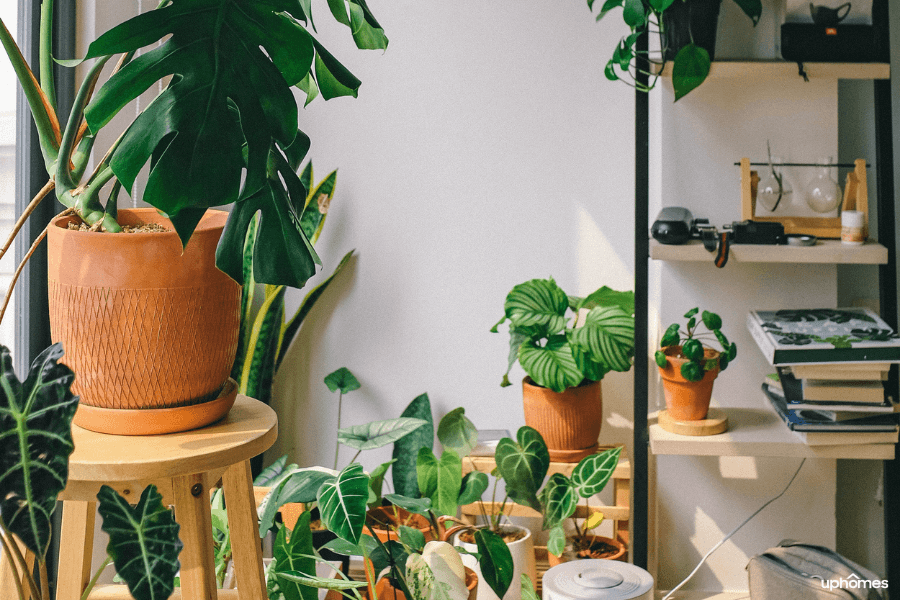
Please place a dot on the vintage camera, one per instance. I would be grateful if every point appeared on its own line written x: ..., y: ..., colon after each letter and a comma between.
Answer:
x: 756, y: 232
x: 676, y: 225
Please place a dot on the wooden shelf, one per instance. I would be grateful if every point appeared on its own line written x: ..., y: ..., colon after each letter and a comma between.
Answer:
x: 701, y: 595
x: 756, y: 432
x: 824, y: 252
x: 779, y: 68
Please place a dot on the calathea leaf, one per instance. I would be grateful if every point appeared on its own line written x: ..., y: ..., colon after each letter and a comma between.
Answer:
x: 593, y: 472
x: 440, y: 480
x: 607, y: 296
x: 342, y: 503
x: 293, y: 552
x: 35, y: 444
x: 456, y: 432
x: 406, y: 450
x: 143, y: 542
x: 523, y: 465
x: 537, y: 302
x: 378, y: 433
x: 608, y: 336
x: 551, y: 365
x: 517, y: 337
x: 560, y: 499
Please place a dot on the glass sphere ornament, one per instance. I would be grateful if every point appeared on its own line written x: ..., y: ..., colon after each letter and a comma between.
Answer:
x: 773, y: 190
x: 823, y: 194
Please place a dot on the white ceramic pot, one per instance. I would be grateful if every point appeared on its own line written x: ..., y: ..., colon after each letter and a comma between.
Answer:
x: 523, y: 562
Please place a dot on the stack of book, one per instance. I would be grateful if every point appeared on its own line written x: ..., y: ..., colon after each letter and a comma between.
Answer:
x: 831, y: 364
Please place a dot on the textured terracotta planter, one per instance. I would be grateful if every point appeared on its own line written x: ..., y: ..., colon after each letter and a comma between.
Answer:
x: 569, y: 554
x: 143, y: 325
x: 686, y: 400
x: 569, y: 421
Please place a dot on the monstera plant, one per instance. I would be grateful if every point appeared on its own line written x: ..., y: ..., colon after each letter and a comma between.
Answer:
x: 35, y: 445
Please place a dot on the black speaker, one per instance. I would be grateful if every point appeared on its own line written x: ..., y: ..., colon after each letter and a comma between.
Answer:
x: 817, y: 43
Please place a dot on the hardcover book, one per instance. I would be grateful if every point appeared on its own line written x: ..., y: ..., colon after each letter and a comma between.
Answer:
x: 844, y: 371
x: 795, y: 392
x: 835, y: 411
x: 842, y: 335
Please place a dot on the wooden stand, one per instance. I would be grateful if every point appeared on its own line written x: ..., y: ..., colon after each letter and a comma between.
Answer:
x: 856, y: 197
x: 716, y: 422
x: 183, y: 466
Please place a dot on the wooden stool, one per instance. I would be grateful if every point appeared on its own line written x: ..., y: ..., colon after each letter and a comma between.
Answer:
x: 183, y: 466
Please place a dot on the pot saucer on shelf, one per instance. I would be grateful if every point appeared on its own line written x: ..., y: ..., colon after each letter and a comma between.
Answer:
x: 571, y: 456
x: 156, y: 421
x: 716, y: 422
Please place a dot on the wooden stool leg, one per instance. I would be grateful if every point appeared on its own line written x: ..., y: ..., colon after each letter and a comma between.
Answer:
x: 76, y: 549
x: 192, y: 511
x: 8, y: 577
x: 243, y: 526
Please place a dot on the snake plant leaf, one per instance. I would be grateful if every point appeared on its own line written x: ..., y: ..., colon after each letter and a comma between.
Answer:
x: 342, y: 379
x: 556, y: 545
x: 608, y: 336
x: 294, y: 485
x: 551, y: 365
x: 342, y: 503
x: 607, y: 296
x: 456, y: 432
x: 523, y: 464
x: 313, y: 214
x: 406, y: 450
x: 259, y: 371
x: 560, y: 498
x: 537, y: 302
x: 440, y: 480
x: 496, y: 562
x: 376, y: 434
x: 593, y: 472
x: 293, y: 552
x: 690, y: 69
x: 143, y: 542
x: 420, y: 506
x: 248, y: 291
x: 35, y: 443
x: 473, y: 486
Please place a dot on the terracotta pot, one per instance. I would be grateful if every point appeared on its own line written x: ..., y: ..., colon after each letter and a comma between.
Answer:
x: 392, y: 517
x: 569, y: 421
x: 686, y: 400
x: 569, y: 553
x: 143, y: 323
x: 386, y: 590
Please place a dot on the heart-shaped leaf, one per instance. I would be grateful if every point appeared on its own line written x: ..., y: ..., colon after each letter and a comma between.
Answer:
x: 496, y: 562
x: 560, y: 499
x: 474, y: 485
x: 413, y: 538
x: 690, y: 69
x: 537, y: 302
x: 36, y: 421
x: 143, y: 542
x: 608, y: 336
x: 456, y: 432
x: 712, y: 321
x: 671, y: 337
x: 342, y: 503
x: 342, y: 379
x: 293, y: 552
x: 440, y: 480
x: 551, y: 365
x: 378, y: 433
x: 406, y: 450
x: 593, y: 472
x: 523, y: 465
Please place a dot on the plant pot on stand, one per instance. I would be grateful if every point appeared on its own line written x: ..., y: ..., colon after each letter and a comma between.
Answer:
x: 569, y: 421
x: 590, y: 547
x: 150, y: 328
x: 522, y: 551
x: 687, y: 402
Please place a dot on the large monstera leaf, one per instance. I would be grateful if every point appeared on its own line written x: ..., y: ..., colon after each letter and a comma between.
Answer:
x: 523, y: 465
x: 35, y: 444
x: 607, y: 336
x: 143, y: 542
x: 342, y: 503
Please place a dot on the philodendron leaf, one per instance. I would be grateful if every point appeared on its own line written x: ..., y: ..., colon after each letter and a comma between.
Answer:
x: 593, y: 472
x: 420, y: 506
x: 608, y: 336
x: 537, y: 302
x: 378, y: 433
x: 523, y: 465
x: 298, y: 485
x: 560, y: 499
x: 324, y: 583
x: 496, y: 562
x: 413, y: 538
x: 293, y: 552
x: 556, y: 544
x: 440, y: 480
x: 689, y: 70
x: 406, y: 450
x: 342, y: 379
x: 751, y: 8
x: 143, y: 542
x: 456, y: 432
x: 552, y: 365
x: 271, y: 473
x: 474, y: 485
x: 36, y: 421
x: 342, y: 503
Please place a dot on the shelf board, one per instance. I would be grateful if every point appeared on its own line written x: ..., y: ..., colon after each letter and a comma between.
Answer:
x: 756, y: 432
x: 701, y: 595
x: 726, y: 69
x: 825, y: 251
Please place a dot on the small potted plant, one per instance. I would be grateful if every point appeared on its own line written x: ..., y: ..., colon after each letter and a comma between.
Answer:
x: 566, y: 345
x: 689, y: 367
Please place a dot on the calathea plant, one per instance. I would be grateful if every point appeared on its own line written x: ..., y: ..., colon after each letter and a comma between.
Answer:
x: 558, y: 350
x: 35, y: 445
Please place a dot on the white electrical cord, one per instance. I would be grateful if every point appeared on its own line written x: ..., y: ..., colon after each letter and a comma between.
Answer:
x: 734, y: 531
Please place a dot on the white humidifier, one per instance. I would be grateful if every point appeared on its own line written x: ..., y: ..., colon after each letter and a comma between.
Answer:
x: 597, y: 579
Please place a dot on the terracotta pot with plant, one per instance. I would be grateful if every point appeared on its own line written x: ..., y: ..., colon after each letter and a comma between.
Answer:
x: 566, y: 345
x: 688, y: 368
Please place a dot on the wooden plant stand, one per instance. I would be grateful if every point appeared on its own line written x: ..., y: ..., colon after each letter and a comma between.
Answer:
x: 183, y: 466
x: 619, y: 513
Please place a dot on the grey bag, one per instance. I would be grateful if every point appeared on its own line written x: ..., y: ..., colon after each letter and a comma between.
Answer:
x: 793, y: 571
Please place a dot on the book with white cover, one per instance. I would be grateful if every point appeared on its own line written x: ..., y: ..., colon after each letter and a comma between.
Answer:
x: 844, y: 371
x: 825, y: 390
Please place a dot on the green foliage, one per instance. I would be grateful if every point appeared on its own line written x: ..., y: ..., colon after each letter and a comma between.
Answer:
x: 143, y: 542
x: 495, y: 560
x: 35, y: 444
x: 376, y: 434
x: 342, y: 503
x: 593, y: 472
x: 559, y: 499
x: 692, y: 345
x: 406, y: 450
x: 523, y: 465
x: 456, y: 432
x: 689, y: 70
x: 440, y: 479
x: 342, y: 379
x: 295, y: 485
x: 555, y: 353
x: 293, y: 552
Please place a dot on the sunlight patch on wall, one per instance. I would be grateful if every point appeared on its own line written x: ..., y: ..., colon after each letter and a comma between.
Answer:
x: 599, y: 262
x: 738, y: 467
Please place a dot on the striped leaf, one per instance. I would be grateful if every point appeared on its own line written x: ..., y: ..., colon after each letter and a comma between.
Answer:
x: 607, y: 336
x: 559, y: 498
x: 258, y: 371
x: 594, y: 471
x: 552, y: 365
x: 376, y: 434
x: 248, y: 290
x: 537, y: 302
x: 342, y: 503
x: 35, y: 444
x: 313, y: 218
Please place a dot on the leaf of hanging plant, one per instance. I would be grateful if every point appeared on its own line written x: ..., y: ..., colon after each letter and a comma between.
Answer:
x: 537, y: 302
x: 36, y: 418
x: 293, y: 552
x: 552, y: 365
x: 143, y: 542
x: 690, y: 69
x: 440, y: 480
x: 342, y: 503
x: 378, y: 433
x: 608, y: 336
x: 523, y: 465
x: 593, y: 472
x: 634, y: 14
x: 342, y: 379
x: 496, y: 562
x: 560, y: 499
x: 473, y: 486
x: 406, y: 450
x: 456, y: 432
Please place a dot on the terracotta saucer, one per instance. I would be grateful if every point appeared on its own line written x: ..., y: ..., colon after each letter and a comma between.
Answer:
x: 156, y: 421
x: 571, y: 456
